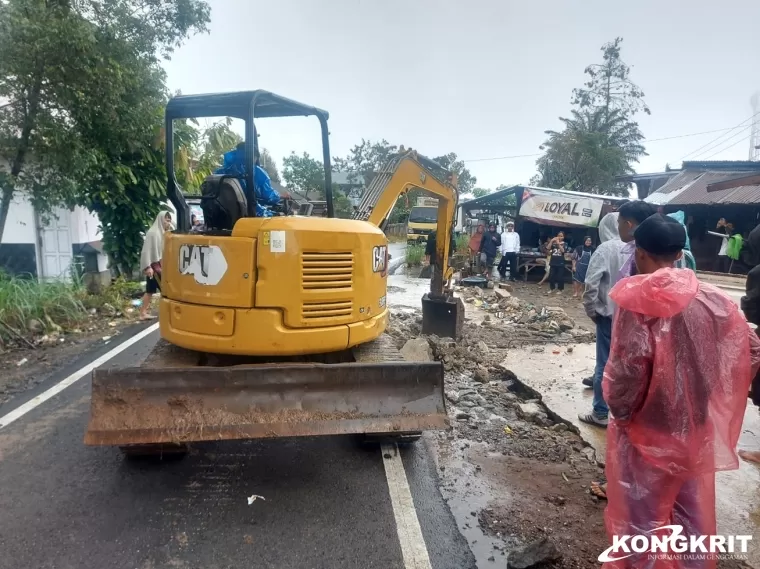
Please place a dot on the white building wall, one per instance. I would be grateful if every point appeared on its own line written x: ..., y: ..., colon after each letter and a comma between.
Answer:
x: 20, y: 225
x: 84, y: 226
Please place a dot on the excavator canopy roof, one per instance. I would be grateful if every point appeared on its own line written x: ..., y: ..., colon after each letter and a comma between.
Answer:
x: 238, y: 105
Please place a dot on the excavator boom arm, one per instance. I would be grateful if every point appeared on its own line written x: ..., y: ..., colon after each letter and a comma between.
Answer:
x: 402, y: 173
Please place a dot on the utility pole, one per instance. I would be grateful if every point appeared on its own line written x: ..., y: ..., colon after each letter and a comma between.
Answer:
x: 754, y: 139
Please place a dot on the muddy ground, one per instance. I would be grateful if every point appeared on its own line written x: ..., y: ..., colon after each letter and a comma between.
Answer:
x: 513, y: 471
x: 29, y: 361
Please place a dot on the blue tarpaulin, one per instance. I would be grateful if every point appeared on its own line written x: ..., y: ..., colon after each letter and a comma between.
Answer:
x: 266, y: 195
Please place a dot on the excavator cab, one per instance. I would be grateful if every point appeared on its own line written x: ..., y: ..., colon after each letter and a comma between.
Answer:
x: 231, y: 197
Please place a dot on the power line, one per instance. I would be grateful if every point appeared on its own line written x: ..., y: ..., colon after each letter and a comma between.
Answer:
x: 501, y: 157
x: 687, y: 135
x: 693, y: 152
x: 714, y: 146
x: 726, y: 148
x: 646, y: 140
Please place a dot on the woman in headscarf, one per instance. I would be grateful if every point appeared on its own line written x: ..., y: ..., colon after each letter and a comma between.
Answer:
x: 150, y: 259
x: 474, y: 246
x: 581, y: 257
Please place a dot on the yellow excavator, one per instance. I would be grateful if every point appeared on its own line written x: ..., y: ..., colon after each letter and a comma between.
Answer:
x: 273, y: 326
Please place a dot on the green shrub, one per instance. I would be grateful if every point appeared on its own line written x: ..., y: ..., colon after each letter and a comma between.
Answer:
x: 26, y: 303
x: 51, y: 303
x: 414, y: 255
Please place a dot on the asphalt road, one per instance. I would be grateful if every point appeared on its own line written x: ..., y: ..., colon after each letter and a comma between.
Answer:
x: 327, y: 500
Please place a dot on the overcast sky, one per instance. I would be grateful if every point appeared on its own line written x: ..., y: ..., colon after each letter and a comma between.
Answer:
x: 483, y: 79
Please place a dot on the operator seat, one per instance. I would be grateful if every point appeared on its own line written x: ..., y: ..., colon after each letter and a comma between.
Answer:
x: 223, y: 202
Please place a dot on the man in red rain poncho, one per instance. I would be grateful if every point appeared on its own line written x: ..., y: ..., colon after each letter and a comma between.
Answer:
x: 676, y: 384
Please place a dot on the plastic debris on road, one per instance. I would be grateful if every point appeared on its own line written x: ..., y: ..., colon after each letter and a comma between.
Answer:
x: 252, y: 499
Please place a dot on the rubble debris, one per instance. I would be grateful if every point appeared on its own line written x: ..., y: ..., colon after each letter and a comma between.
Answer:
x: 533, y: 554
x: 502, y: 293
x: 35, y: 326
x: 108, y: 310
x: 453, y: 396
x: 481, y: 374
x: 533, y: 412
x: 417, y: 350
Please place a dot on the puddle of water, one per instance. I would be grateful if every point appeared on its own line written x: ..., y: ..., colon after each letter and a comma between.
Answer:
x: 406, y: 291
x: 466, y: 491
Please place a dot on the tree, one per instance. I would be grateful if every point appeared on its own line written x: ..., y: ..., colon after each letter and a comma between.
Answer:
x: 601, y: 140
x: 365, y: 159
x: 609, y: 87
x: 305, y: 175
x: 590, y: 153
x: 480, y: 192
x: 268, y: 164
x: 465, y: 180
x: 83, y: 89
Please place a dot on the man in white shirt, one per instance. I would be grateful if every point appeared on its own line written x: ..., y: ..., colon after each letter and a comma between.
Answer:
x: 510, y: 247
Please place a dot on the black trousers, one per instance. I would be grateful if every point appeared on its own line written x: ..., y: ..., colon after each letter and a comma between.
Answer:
x: 510, y: 258
x: 557, y: 277
x: 722, y: 264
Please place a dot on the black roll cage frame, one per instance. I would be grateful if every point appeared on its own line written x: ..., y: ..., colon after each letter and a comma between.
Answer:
x: 247, y: 106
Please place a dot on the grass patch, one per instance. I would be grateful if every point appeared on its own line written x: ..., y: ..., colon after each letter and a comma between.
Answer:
x: 29, y: 307
x: 414, y: 255
x: 462, y: 243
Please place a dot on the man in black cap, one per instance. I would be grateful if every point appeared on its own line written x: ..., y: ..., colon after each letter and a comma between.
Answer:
x: 676, y: 384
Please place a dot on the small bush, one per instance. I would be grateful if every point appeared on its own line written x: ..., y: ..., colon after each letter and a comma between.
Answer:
x: 52, y: 304
x: 27, y: 304
x: 462, y: 243
x: 414, y: 255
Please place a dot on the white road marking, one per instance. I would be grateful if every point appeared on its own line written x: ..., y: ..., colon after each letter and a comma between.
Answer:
x: 408, y: 526
x: 73, y: 378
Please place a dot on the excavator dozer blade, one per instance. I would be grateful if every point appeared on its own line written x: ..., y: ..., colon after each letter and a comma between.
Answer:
x: 144, y: 405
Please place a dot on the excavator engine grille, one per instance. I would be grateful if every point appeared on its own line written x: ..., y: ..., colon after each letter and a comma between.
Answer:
x: 327, y: 271
x: 318, y: 311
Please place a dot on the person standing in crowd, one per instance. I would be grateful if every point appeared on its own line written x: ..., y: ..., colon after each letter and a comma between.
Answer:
x: 510, y: 247
x: 724, y: 231
x: 676, y: 404
x: 545, y: 249
x: 150, y: 260
x: 557, y: 263
x: 474, y: 245
x: 581, y: 258
x: 601, y: 276
x: 489, y: 246
x: 750, y: 304
x: 631, y: 214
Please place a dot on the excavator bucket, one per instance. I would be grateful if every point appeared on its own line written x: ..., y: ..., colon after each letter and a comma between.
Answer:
x: 150, y: 405
x: 442, y: 317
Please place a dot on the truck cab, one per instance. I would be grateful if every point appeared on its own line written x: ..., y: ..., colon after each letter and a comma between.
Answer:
x: 422, y: 221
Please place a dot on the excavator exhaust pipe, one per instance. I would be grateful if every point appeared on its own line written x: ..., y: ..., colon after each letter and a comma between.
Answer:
x: 137, y: 406
x: 442, y: 316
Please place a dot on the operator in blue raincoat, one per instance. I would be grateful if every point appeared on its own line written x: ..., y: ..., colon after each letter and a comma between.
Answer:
x: 266, y: 195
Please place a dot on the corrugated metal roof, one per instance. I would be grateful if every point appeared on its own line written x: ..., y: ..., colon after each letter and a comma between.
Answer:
x: 690, y: 188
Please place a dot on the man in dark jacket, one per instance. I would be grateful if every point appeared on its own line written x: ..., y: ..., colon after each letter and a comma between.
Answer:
x: 751, y: 307
x: 489, y: 246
